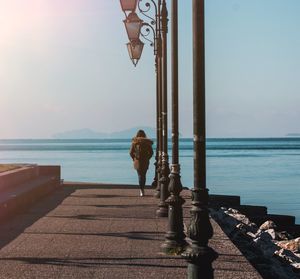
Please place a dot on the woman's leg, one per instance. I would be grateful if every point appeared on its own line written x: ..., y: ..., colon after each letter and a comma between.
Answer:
x: 142, y: 181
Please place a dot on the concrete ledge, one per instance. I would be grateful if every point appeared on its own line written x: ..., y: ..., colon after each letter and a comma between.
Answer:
x: 50, y: 170
x: 252, y: 210
x: 14, y: 177
x: 14, y: 201
x: 103, y: 185
x: 294, y: 230
x: 35, y: 182
x: 224, y: 200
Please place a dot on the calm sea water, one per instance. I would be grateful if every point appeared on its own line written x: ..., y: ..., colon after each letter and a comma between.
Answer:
x: 261, y: 171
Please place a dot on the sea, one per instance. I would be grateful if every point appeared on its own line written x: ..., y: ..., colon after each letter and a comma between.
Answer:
x: 262, y: 171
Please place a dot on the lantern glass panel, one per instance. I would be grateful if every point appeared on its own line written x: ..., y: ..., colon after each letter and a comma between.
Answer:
x: 129, y: 48
x: 128, y: 5
x: 135, y: 50
x: 133, y: 26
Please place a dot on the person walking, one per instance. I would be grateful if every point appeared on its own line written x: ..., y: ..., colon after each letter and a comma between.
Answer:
x: 141, y: 151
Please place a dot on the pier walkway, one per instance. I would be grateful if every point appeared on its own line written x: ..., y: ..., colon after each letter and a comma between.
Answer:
x: 101, y: 231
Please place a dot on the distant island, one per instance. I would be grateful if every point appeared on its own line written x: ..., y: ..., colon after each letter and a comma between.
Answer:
x: 293, y: 135
x: 91, y: 134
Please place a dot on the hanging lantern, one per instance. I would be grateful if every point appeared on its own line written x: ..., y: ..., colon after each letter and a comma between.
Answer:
x: 133, y: 26
x: 128, y: 5
x: 135, y: 49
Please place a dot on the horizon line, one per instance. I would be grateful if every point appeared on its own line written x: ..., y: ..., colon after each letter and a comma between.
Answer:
x: 170, y: 138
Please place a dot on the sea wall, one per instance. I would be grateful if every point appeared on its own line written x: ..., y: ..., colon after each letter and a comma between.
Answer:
x: 21, y: 187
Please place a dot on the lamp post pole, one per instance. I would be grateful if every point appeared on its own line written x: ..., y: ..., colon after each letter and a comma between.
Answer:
x: 159, y: 81
x: 162, y: 211
x: 175, y: 237
x: 158, y: 102
x: 199, y: 255
x: 134, y: 27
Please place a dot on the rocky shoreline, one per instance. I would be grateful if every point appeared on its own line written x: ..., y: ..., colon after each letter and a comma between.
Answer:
x: 275, y: 253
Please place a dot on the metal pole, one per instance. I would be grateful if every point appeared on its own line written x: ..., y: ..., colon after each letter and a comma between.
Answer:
x: 199, y: 255
x: 175, y: 237
x: 174, y: 42
x: 154, y: 183
x: 164, y: 180
x: 159, y: 99
x: 155, y: 180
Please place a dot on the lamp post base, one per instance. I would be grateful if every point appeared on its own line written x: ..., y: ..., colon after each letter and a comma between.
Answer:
x: 154, y: 183
x: 158, y: 187
x: 158, y: 176
x: 198, y: 255
x: 163, y: 182
x: 162, y: 211
x: 171, y: 246
x: 156, y: 194
x: 200, y: 259
x: 175, y: 237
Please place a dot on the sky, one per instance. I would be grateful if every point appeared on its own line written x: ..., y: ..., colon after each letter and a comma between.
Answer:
x: 64, y: 66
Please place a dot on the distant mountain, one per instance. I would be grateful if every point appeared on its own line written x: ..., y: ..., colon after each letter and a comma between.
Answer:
x: 130, y: 133
x: 293, y: 135
x: 80, y: 134
x: 90, y: 134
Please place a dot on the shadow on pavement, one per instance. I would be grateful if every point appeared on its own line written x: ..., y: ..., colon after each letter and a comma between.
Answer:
x: 129, y: 235
x: 89, y: 262
x: 12, y: 228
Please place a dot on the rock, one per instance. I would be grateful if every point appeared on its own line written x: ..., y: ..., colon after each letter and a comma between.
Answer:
x: 266, y: 235
x: 251, y: 235
x: 283, y: 235
x: 289, y: 257
x: 264, y: 242
x: 268, y: 225
x: 292, y: 245
x: 231, y: 211
x: 241, y: 218
x: 266, y: 248
x: 246, y: 230
x: 279, y: 235
x: 296, y: 267
x: 242, y: 228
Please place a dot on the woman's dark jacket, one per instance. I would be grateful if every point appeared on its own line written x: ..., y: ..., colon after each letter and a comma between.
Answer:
x: 141, y: 152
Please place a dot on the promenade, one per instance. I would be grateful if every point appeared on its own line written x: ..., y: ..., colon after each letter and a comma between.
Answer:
x: 102, y: 231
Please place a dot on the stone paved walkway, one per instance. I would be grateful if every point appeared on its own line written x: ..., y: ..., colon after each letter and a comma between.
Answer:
x: 90, y: 231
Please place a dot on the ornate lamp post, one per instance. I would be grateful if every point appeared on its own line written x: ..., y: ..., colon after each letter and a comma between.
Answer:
x: 158, y: 70
x: 157, y: 21
x: 134, y: 27
x: 199, y: 255
x: 175, y: 237
x: 157, y: 164
x: 165, y: 171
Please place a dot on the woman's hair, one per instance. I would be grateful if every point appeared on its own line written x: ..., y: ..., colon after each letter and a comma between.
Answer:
x: 141, y: 134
